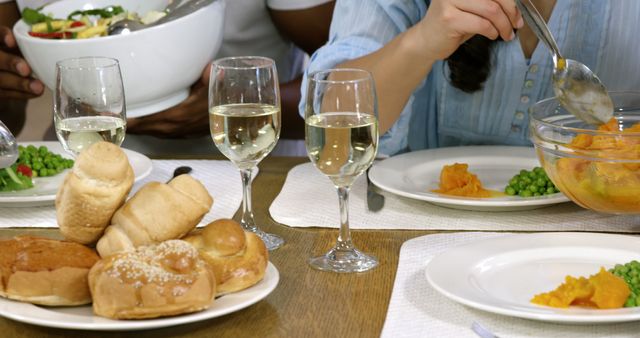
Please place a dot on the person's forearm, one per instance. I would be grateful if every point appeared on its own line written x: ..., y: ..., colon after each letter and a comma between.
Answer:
x: 397, y: 68
x: 292, y: 122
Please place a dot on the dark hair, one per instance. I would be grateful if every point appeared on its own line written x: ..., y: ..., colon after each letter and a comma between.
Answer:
x: 470, y: 64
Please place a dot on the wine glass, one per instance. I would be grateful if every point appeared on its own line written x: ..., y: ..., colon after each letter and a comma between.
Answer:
x: 244, y: 119
x: 341, y: 136
x: 89, y: 103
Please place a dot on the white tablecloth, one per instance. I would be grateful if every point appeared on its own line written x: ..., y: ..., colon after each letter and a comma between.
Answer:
x: 221, y: 178
x: 309, y: 199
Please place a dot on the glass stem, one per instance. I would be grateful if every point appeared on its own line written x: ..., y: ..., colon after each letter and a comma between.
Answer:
x: 344, y: 238
x: 247, y: 221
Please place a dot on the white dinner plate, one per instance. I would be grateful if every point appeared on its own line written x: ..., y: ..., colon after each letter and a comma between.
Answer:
x: 502, y: 274
x: 416, y: 174
x: 82, y: 317
x: 45, y: 188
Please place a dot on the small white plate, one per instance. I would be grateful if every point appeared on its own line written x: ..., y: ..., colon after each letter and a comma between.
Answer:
x: 415, y: 174
x: 502, y: 274
x: 82, y: 317
x: 45, y: 188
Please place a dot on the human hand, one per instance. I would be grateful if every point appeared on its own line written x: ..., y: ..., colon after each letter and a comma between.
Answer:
x: 449, y: 23
x: 188, y: 119
x: 15, y: 74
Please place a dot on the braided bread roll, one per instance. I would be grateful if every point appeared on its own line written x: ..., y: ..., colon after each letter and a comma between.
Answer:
x: 95, y: 188
x: 239, y: 258
x: 156, y: 213
x: 159, y: 280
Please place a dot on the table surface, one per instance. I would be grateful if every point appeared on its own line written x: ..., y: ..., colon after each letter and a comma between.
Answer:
x: 306, y: 302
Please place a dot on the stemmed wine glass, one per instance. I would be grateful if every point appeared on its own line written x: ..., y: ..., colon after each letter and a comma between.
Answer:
x: 341, y: 135
x: 89, y: 103
x: 244, y: 118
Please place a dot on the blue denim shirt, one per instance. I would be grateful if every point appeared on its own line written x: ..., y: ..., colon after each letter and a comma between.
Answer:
x: 604, y: 35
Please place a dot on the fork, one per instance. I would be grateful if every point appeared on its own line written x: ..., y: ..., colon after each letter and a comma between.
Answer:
x: 482, y: 331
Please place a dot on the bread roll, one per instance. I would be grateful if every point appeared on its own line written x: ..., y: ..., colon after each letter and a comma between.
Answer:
x: 157, y: 212
x: 95, y: 188
x: 159, y: 280
x: 238, y: 258
x: 45, y: 271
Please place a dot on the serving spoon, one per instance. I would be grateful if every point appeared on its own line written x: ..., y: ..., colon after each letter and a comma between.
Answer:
x: 176, y: 9
x: 576, y: 87
x: 8, y: 147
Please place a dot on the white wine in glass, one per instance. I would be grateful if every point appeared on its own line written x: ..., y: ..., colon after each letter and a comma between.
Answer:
x: 341, y: 136
x: 244, y: 119
x: 89, y: 103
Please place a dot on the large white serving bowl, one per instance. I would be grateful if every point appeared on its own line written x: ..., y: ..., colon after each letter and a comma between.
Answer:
x: 159, y: 63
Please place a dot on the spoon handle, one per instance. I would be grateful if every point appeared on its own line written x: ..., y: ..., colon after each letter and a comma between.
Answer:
x: 539, y: 27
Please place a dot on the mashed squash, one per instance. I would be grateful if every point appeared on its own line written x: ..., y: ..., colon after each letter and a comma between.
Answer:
x: 602, y: 185
x: 456, y: 180
x: 603, y: 290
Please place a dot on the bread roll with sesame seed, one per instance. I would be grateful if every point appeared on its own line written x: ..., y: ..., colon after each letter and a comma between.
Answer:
x: 159, y: 280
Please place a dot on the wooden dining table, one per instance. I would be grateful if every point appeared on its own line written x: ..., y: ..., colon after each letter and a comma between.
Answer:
x: 306, y: 302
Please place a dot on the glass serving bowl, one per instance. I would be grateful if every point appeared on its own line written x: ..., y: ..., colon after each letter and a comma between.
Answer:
x: 596, y: 167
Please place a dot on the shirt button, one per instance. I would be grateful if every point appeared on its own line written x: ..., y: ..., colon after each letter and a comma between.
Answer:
x: 528, y: 83
x: 524, y: 99
x: 519, y: 115
x: 515, y: 128
x: 533, y: 68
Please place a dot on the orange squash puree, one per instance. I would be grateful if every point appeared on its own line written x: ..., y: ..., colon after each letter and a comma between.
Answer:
x: 456, y: 180
x: 602, y: 185
x: 603, y: 290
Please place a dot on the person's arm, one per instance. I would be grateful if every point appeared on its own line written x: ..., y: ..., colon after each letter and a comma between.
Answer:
x: 309, y: 30
x: 16, y: 83
x: 402, y: 64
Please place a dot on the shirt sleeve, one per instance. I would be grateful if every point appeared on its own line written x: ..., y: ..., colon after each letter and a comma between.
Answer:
x: 293, y: 4
x: 359, y: 28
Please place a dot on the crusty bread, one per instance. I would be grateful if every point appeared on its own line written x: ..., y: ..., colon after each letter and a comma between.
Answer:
x: 157, y: 212
x: 95, y: 188
x: 45, y: 271
x: 238, y: 258
x: 165, y: 279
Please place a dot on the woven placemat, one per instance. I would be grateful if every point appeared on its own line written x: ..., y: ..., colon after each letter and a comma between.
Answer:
x: 418, y: 310
x: 308, y: 199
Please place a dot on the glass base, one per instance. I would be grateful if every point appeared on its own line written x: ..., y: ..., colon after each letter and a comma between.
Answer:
x: 344, y: 261
x: 271, y: 241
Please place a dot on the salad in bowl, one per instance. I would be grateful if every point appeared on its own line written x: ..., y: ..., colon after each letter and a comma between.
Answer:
x: 82, y: 24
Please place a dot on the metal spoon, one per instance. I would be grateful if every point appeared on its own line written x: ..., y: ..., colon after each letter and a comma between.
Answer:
x: 8, y: 147
x: 175, y: 10
x: 126, y: 26
x: 576, y: 87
